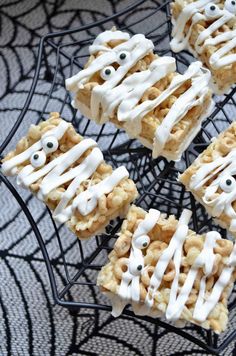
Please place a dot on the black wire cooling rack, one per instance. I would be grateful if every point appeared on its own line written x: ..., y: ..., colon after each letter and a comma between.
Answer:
x: 63, y: 54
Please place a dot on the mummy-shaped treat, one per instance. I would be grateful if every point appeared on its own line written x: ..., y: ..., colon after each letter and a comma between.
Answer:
x: 211, y: 179
x: 207, y: 28
x: 125, y: 83
x: 69, y: 174
x: 163, y: 269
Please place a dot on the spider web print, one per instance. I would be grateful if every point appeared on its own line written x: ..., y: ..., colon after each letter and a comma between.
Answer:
x: 30, y: 322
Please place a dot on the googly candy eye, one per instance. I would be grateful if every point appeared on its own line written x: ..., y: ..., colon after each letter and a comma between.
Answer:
x: 212, y: 10
x: 123, y: 57
x: 50, y: 144
x: 38, y: 159
x: 107, y: 72
x: 136, y: 267
x: 230, y: 5
x: 142, y: 241
x: 228, y: 184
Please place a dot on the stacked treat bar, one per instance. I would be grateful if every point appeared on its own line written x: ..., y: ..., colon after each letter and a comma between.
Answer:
x: 208, y: 30
x: 163, y: 268
x: 69, y: 174
x: 158, y: 265
x: 126, y: 83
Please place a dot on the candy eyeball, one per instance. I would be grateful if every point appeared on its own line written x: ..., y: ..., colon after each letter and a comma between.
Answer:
x: 228, y: 184
x: 50, y: 144
x: 123, y: 57
x: 212, y: 10
x: 136, y: 268
x: 230, y: 5
x: 142, y: 242
x: 38, y: 159
x: 107, y: 72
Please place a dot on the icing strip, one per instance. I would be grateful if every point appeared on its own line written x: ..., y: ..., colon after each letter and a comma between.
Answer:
x: 109, y: 57
x: 106, y: 37
x: 221, y: 192
x: 197, y: 11
x: 85, y: 170
x: 127, y: 95
x: 87, y: 200
x: 9, y: 167
x: 204, y: 260
x: 194, y: 96
x: 219, y: 58
x: 173, y: 250
x: 129, y: 287
x: 52, y: 172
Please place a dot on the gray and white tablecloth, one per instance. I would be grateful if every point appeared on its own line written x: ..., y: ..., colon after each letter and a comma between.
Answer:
x: 29, y: 322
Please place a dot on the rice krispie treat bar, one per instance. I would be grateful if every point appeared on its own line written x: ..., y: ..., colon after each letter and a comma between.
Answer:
x: 163, y: 269
x: 69, y: 174
x: 126, y: 83
x: 211, y: 179
x: 207, y: 28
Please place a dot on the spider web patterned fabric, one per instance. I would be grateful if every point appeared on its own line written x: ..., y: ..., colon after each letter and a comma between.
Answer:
x: 30, y: 323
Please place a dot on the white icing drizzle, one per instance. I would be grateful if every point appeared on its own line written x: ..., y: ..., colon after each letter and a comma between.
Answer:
x: 197, y: 11
x: 10, y: 167
x: 120, y: 95
x: 204, y: 260
x: 126, y: 95
x: 129, y: 287
x: 219, y: 58
x: 203, y: 308
x: 58, y: 171
x: 129, y: 290
x: 106, y: 37
x: 52, y: 172
x: 85, y: 170
x: 88, y: 199
x: 173, y: 250
x: 221, y: 173
x: 192, y: 97
x: 112, y: 56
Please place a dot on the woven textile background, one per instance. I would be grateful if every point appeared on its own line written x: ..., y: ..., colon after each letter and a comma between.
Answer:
x: 29, y: 322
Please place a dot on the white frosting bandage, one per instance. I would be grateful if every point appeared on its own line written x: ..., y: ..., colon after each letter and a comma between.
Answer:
x: 215, y: 15
x: 120, y: 94
x: 221, y: 173
x: 211, y: 179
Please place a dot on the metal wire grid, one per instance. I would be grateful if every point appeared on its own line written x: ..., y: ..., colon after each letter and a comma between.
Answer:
x: 61, y: 55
